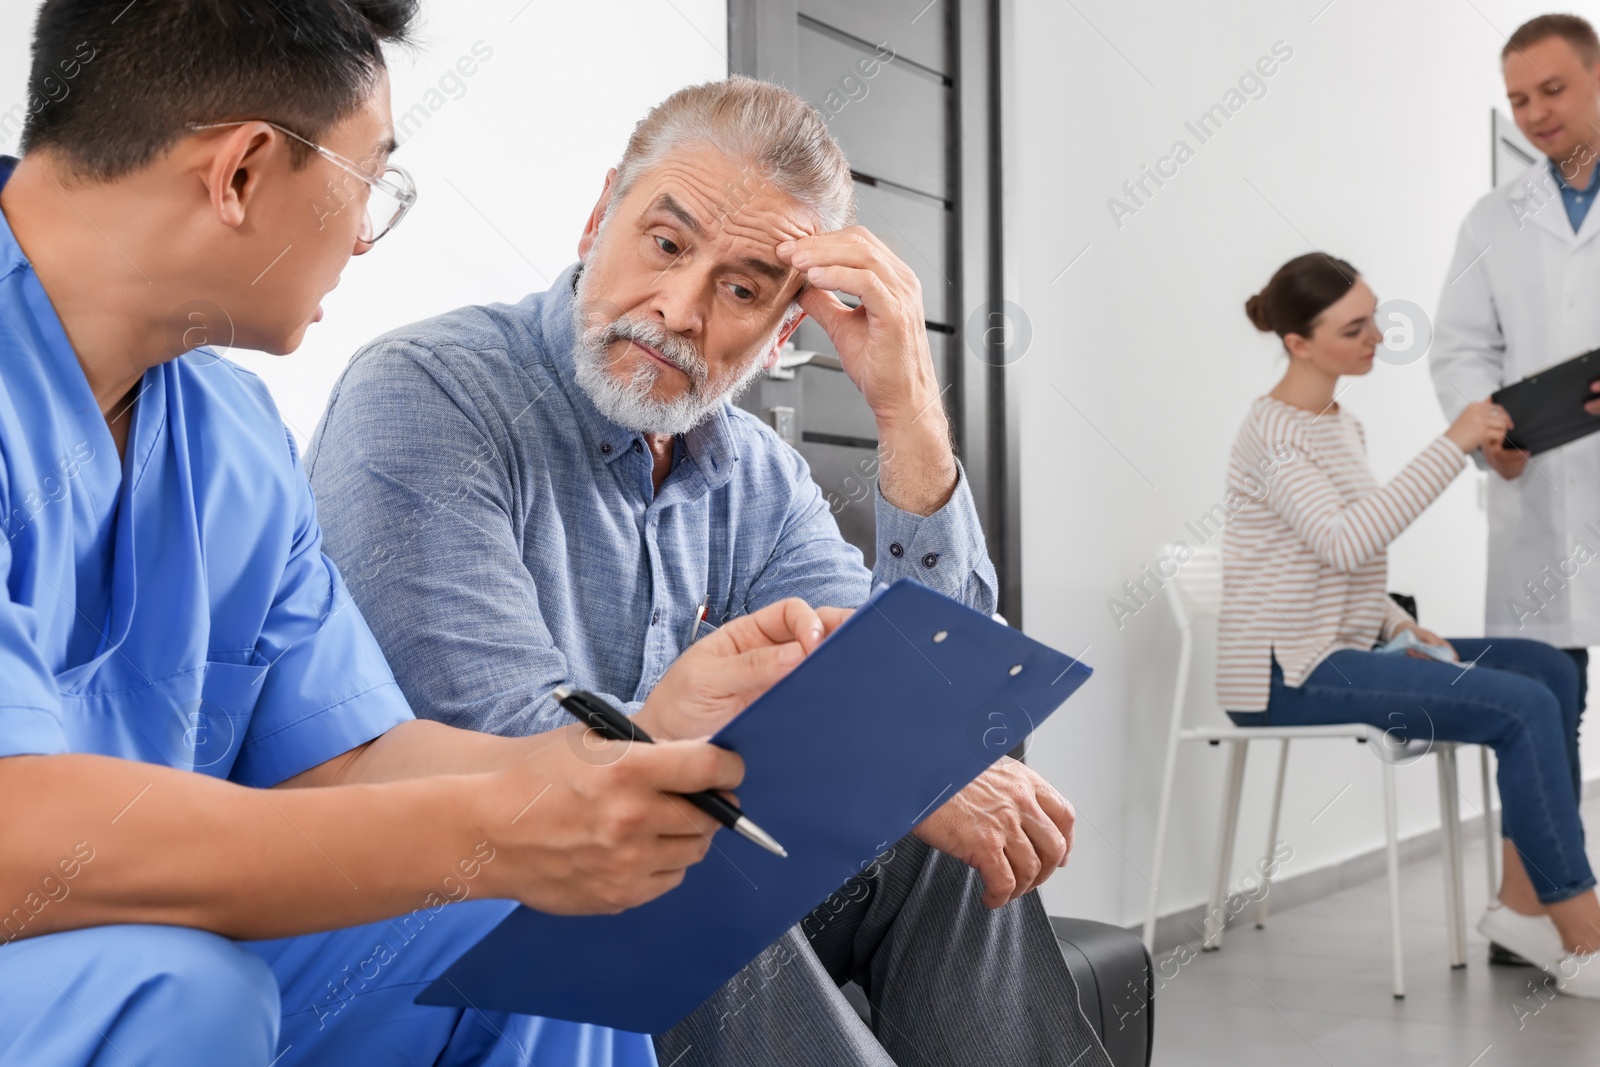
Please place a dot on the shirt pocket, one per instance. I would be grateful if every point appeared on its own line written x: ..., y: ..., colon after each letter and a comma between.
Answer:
x: 193, y: 720
x: 209, y: 726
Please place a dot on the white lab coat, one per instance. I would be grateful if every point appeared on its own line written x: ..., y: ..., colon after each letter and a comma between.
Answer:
x: 1522, y: 294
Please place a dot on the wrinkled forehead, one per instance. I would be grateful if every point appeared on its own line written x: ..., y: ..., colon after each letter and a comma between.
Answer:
x: 730, y: 205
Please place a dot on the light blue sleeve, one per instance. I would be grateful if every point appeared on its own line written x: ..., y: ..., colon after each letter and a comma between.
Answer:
x: 30, y: 704
x: 327, y: 687
x: 944, y: 551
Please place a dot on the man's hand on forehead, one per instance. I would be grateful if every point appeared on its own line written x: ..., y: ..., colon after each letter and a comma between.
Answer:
x: 883, y: 343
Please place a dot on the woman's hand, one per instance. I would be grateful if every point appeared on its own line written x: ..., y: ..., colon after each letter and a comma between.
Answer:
x: 1426, y: 637
x: 720, y: 675
x: 1479, y: 425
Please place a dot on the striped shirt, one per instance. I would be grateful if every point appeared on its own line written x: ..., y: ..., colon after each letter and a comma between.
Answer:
x: 1304, y: 559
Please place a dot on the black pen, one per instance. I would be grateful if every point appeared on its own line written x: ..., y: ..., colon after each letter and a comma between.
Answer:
x: 610, y: 723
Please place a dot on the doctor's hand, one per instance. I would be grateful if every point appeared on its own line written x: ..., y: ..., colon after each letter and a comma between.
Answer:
x: 720, y: 675
x: 1010, y: 825
x: 587, y: 827
x: 1479, y: 425
x: 1593, y: 406
x: 1508, y: 463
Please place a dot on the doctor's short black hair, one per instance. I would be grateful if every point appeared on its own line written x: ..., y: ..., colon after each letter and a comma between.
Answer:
x: 115, y: 84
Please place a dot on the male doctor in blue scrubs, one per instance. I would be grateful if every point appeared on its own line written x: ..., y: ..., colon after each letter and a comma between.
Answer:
x: 201, y: 747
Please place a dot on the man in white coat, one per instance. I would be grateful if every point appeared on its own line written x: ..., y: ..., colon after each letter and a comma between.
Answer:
x: 1523, y: 294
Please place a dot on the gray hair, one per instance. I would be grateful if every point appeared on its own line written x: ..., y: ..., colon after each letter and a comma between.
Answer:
x: 784, y: 138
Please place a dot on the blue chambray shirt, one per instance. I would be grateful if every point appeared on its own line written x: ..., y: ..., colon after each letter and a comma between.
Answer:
x: 503, y: 537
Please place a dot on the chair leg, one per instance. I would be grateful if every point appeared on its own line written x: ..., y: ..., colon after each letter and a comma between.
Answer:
x: 1162, y: 817
x: 1459, y: 848
x: 1272, y: 837
x: 1450, y: 853
x: 1169, y: 770
x: 1216, y: 913
x: 1491, y: 832
x: 1392, y: 848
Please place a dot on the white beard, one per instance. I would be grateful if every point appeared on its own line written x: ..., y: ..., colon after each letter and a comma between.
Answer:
x: 631, y: 403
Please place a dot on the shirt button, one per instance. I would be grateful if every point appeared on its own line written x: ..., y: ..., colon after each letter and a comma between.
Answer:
x: 896, y: 551
x: 637, y: 447
x: 605, y: 449
x: 930, y: 559
x: 655, y: 616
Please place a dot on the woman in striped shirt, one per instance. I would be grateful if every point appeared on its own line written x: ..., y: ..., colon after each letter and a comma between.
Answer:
x: 1304, y: 574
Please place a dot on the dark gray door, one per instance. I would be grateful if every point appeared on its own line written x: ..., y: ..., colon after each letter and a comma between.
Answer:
x: 907, y: 87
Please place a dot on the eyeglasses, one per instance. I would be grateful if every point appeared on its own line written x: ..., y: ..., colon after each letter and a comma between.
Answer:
x: 391, y: 193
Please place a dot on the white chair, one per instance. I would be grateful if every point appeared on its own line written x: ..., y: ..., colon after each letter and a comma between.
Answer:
x: 1195, y: 593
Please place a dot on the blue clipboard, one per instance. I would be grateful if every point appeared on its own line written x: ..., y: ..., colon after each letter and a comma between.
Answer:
x: 901, y: 707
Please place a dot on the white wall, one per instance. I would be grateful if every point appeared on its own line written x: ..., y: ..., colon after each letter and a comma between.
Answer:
x: 508, y: 160
x: 1370, y: 142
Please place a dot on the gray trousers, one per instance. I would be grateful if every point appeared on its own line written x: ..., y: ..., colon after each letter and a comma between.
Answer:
x: 950, y: 982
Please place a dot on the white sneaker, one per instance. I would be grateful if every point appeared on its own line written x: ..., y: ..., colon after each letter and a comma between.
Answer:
x: 1533, y: 937
x: 1578, y: 975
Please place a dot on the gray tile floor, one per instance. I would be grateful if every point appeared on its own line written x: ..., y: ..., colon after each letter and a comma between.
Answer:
x: 1313, y: 988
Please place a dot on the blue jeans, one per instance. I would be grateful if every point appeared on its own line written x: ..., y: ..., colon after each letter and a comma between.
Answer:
x: 1580, y: 660
x: 1520, y: 698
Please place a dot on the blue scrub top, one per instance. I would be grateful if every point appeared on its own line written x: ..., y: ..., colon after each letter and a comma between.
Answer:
x: 175, y: 607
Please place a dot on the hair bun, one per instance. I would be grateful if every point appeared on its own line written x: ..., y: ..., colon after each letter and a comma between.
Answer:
x: 1256, y: 309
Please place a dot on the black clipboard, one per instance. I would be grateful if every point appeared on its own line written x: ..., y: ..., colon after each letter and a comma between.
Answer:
x: 1546, y: 408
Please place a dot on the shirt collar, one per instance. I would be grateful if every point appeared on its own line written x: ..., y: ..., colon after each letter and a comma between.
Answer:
x: 11, y: 257
x: 710, y: 446
x: 1594, y: 176
x: 60, y: 363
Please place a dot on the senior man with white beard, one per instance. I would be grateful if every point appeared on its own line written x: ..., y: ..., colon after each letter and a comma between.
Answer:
x: 544, y: 493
